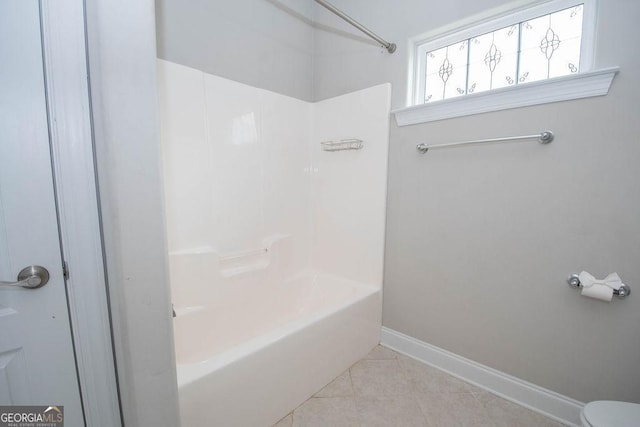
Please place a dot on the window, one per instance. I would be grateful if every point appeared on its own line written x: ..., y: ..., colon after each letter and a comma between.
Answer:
x: 505, y: 59
x: 541, y: 42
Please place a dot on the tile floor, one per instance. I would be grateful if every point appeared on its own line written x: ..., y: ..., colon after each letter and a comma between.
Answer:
x: 389, y: 389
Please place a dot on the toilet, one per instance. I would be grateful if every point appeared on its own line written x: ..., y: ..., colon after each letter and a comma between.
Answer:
x: 608, y: 413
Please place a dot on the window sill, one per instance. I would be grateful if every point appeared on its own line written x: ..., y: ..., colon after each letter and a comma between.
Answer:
x: 575, y: 86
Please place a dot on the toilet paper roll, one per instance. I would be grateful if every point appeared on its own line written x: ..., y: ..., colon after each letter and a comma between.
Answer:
x: 600, y: 292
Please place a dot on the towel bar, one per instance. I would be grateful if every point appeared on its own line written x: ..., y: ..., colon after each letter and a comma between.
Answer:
x: 543, y: 137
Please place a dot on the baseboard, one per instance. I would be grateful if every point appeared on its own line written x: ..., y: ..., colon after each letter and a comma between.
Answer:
x: 531, y: 396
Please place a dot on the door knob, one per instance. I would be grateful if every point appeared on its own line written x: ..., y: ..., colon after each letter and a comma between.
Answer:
x: 31, y: 277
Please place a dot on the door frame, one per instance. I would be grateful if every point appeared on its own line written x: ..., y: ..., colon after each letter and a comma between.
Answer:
x: 75, y: 180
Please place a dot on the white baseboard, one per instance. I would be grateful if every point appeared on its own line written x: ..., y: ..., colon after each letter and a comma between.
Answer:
x: 531, y: 396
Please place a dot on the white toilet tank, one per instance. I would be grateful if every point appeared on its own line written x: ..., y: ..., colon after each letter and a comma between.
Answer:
x: 609, y: 413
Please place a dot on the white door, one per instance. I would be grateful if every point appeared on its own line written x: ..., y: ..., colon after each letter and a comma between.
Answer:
x: 37, y: 364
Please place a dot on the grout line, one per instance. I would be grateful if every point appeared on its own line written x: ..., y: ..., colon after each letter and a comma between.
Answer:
x: 353, y: 393
x: 353, y: 390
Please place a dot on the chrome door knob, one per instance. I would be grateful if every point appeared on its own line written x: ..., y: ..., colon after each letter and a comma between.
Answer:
x: 31, y: 277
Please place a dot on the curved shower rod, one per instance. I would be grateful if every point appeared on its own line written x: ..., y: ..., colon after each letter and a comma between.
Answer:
x: 391, y: 47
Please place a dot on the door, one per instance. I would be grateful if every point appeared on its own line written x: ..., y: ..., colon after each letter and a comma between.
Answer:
x: 37, y: 364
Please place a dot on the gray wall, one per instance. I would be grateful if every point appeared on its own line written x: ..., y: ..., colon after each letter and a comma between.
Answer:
x: 263, y: 43
x: 480, y: 240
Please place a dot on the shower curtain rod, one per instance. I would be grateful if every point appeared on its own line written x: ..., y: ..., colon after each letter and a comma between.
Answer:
x: 391, y: 47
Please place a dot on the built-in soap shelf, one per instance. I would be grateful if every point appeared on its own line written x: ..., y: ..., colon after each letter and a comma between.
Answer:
x: 230, y: 264
x: 199, y: 250
x: 251, y: 260
x: 233, y: 256
x: 182, y: 311
x: 244, y: 262
x: 342, y: 144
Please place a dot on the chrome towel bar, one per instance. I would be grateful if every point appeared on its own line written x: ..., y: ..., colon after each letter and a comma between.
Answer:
x: 544, y: 137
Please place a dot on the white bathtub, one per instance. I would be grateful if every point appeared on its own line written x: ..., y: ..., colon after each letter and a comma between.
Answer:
x: 257, y: 216
x: 250, y: 361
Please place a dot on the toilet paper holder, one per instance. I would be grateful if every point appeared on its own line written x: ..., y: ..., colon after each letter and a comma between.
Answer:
x: 574, y: 282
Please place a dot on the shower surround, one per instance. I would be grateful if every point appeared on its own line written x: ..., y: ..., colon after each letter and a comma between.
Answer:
x: 276, y: 246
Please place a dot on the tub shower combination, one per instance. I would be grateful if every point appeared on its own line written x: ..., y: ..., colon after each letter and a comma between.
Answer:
x: 275, y: 219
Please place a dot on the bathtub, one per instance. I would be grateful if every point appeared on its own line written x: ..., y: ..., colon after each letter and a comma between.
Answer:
x: 251, y: 370
x: 276, y: 247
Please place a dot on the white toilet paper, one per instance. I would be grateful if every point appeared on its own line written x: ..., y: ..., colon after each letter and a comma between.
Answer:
x: 601, y: 292
x: 599, y: 289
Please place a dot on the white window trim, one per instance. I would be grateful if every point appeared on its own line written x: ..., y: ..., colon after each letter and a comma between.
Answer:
x: 583, y: 84
x: 574, y: 86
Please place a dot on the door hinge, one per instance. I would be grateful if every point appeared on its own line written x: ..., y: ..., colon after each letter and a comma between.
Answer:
x: 65, y: 270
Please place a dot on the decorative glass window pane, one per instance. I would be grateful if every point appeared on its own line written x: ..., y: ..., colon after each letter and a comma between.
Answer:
x: 458, y: 81
x: 493, y: 59
x: 446, y: 72
x: 533, y: 54
x: 568, y: 25
x: 551, y: 45
x: 538, y: 48
x: 435, y: 84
